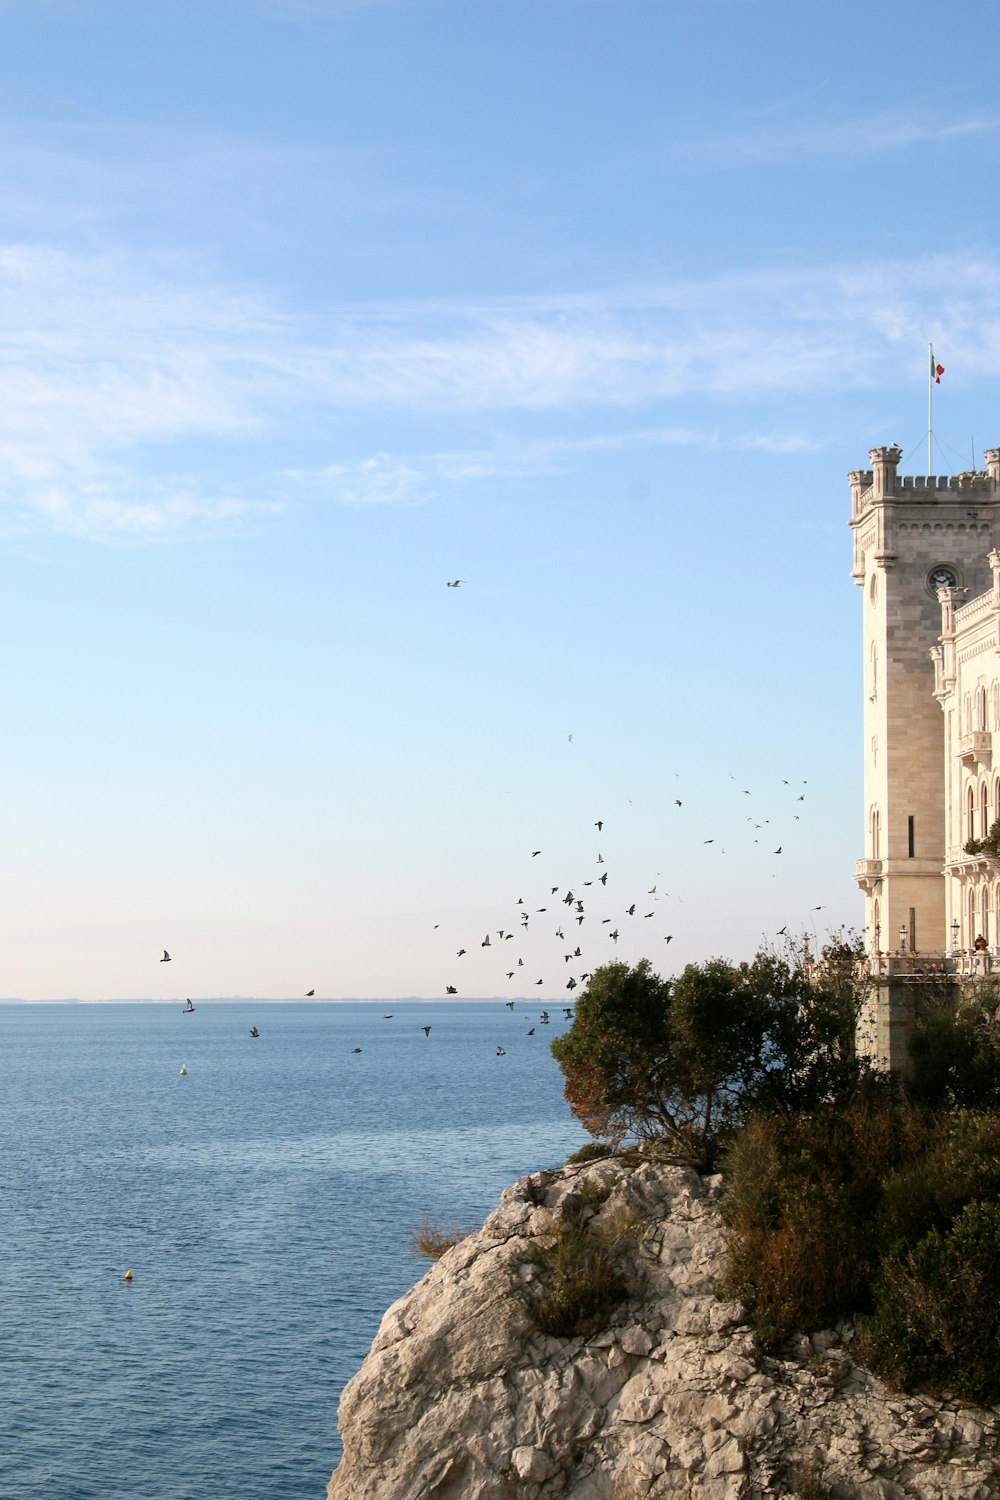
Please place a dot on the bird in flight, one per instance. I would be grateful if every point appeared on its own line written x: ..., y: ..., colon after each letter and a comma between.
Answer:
x: 309, y: 993
x: 599, y: 824
x: 166, y: 957
x: 450, y: 990
x: 535, y: 853
x: 426, y: 1030
x: 454, y: 583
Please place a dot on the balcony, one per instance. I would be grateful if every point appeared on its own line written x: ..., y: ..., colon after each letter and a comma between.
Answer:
x: 867, y: 872
x: 976, y: 748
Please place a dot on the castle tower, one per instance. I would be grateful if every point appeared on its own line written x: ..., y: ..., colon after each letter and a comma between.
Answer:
x: 913, y: 537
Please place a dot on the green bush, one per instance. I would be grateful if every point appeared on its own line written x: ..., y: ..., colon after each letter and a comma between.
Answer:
x: 937, y: 1320
x: 590, y: 1152
x: 584, y: 1285
x: 955, y: 1162
x: 802, y: 1199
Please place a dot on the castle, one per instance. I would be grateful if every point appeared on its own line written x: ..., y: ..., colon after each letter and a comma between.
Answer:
x: 926, y: 559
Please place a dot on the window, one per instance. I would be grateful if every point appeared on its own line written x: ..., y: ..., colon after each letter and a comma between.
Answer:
x: 910, y: 839
x: 984, y: 810
x: 971, y: 814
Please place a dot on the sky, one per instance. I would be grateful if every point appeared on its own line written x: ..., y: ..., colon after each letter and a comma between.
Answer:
x: 310, y: 307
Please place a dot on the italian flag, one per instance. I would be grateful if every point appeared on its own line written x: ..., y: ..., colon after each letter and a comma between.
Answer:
x: 936, y: 370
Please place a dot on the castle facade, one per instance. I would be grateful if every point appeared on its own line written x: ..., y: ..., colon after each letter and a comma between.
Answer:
x: 927, y: 561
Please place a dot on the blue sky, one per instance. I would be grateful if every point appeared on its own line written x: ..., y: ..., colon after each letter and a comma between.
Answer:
x: 309, y: 307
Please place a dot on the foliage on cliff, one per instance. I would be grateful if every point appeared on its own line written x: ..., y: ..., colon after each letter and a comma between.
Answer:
x: 888, y: 1211
x: 686, y: 1061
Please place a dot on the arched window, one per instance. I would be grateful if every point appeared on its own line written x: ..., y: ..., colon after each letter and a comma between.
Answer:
x: 984, y: 911
x: 972, y: 916
x: 984, y: 810
x: 877, y: 925
x: 875, y: 830
x: 970, y: 806
x: 996, y: 800
x: 981, y: 704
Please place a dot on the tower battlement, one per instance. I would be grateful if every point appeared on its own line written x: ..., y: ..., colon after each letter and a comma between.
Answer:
x: 882, y: 483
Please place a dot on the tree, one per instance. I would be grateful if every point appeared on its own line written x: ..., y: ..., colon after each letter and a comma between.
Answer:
x: 687, y: 1060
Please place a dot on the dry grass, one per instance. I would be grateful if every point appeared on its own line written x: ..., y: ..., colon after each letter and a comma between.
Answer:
x: 431, y: 1240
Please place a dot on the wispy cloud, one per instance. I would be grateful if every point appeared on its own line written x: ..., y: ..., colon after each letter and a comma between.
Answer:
x: 842, y: 140
x: 118, y: 377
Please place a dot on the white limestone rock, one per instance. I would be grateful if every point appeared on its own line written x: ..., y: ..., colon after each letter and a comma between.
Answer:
x: 462, y: 1397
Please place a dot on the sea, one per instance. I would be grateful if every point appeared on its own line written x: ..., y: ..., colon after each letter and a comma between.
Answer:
x: 265, y: 1201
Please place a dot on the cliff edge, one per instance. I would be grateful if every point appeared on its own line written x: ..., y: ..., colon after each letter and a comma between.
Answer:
x: 463, y: 1397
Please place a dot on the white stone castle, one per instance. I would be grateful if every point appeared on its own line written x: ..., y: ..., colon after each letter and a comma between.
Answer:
x: 926, y: 558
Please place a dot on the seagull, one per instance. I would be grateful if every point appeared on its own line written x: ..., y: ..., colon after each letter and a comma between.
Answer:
x: 535, y: 853
x: 450, y: 990
x: 509, y: 1003
x: 532, y: 1031
x: 454, y: 583
x: 778, y: 850
x: 355, y: 1049
x: 254, y: 1031
x: 166, y: 957
x: 599, y: 824
x: 460, y: 952
x: 501, y: 1052
x: 309, y: 994
x: 426, y: 1030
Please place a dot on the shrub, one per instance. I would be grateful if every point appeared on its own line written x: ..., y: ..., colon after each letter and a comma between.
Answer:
x: 584, y: 1284
x: 590, y: 1152
x: 955, y: 1161
x: 801, y: 1205
x: 937, y: 1321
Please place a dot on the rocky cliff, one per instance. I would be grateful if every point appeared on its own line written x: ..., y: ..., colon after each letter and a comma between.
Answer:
x: 462, y: 1396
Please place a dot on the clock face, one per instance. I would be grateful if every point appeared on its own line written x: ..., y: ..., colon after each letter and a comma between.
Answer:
x: 942, y: 578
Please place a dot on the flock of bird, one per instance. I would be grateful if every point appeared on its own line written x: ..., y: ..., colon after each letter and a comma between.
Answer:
x: 581, y: 922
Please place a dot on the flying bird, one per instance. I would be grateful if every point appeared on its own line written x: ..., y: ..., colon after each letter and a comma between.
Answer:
x: 310, y: 993
x: 535, y: 853
x: 454, y: 583
x: 460, y: 952
x: 426, y: 1030
x: 450, y: 990
x: 166, y: 957
x: 599, y: 824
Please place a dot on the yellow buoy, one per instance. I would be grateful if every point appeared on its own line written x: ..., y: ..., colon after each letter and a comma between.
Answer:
x: 183, y: 1072
x: 128, y: 1275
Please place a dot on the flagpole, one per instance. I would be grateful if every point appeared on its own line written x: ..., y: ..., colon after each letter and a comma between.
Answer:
x: 930, y: 410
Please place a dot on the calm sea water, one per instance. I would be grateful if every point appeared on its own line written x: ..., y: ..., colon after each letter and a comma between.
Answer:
x: 265, y: 1204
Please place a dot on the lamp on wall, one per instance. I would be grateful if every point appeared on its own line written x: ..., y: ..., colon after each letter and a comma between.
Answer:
x: 902, y: 939
x: 955, y: 929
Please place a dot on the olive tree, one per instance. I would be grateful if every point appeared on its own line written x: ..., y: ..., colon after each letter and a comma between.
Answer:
x: 686, y: 1060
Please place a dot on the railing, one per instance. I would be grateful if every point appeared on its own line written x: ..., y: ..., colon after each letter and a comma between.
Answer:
x: 903, y: 963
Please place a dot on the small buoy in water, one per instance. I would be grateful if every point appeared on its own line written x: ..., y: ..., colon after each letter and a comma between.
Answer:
x: 183, y: 1072
x: 128, y: 1275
